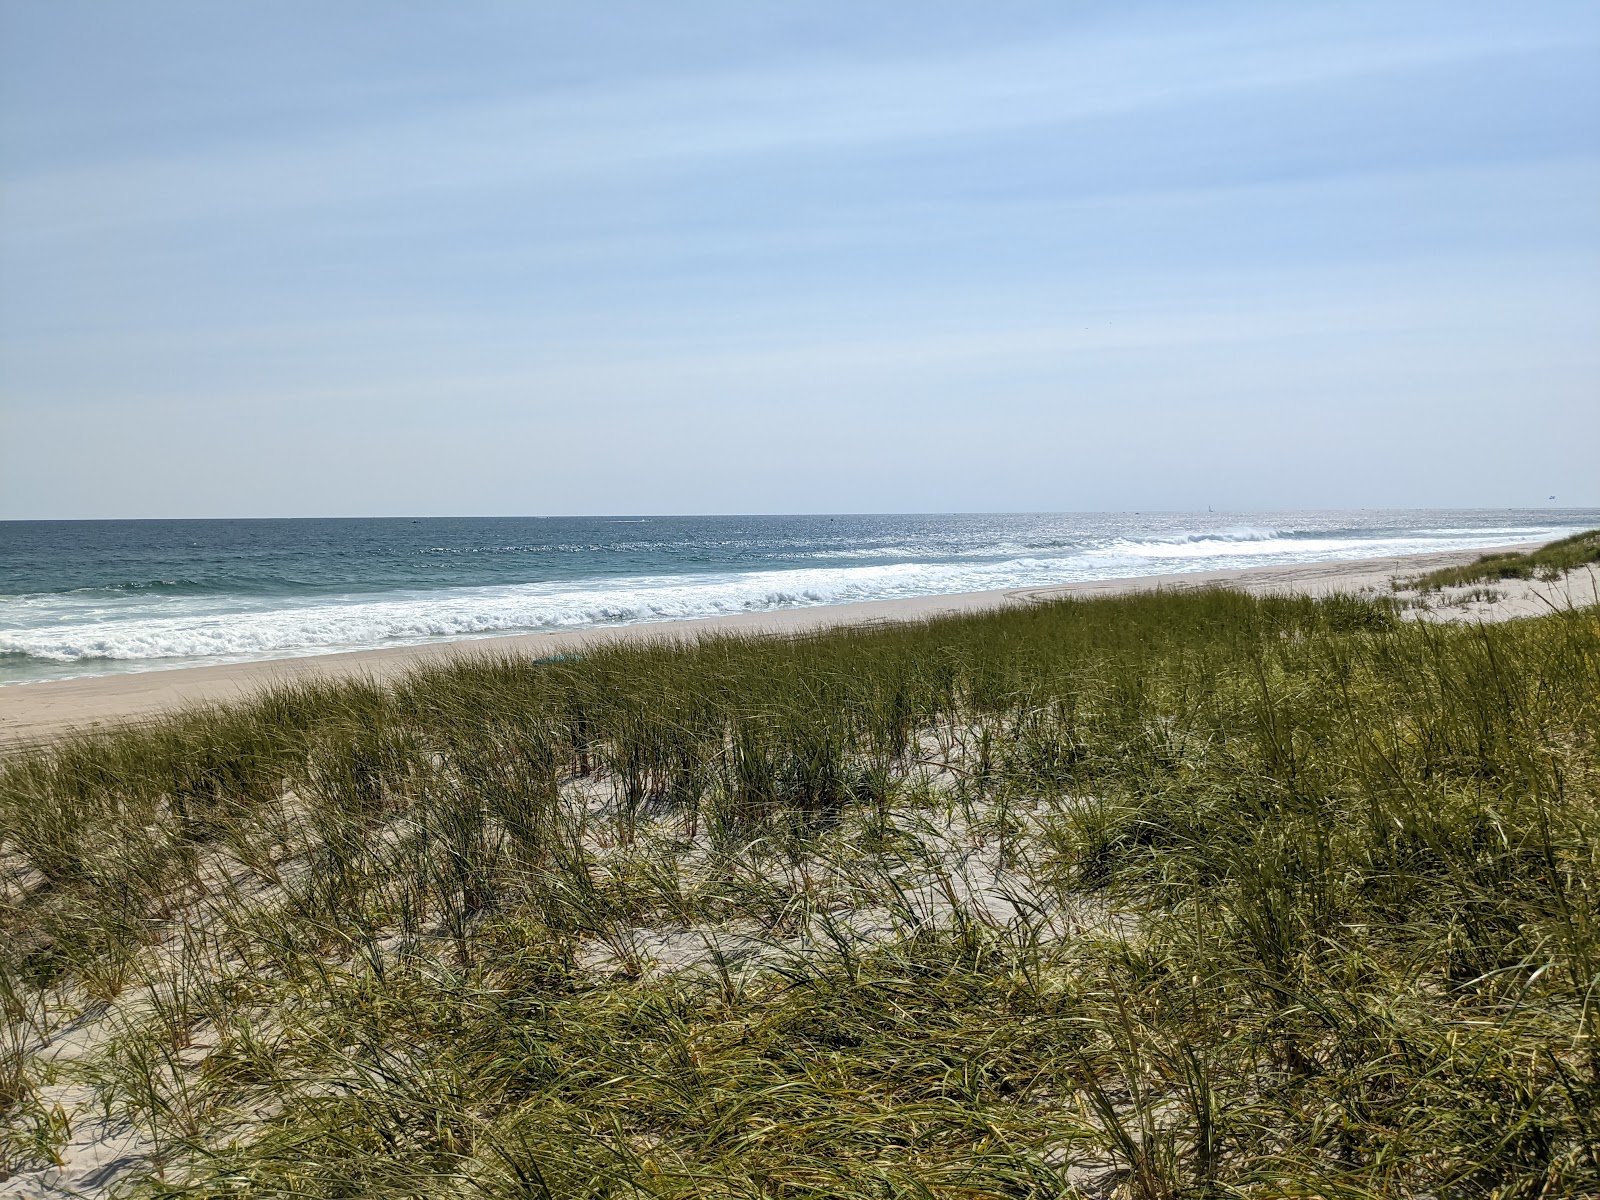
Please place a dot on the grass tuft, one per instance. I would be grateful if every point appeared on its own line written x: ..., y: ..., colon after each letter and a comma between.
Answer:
x: 1548, y: 563
x: 1156, y: 896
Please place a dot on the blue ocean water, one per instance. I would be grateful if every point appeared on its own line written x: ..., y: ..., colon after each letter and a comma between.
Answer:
x: 93, y: 597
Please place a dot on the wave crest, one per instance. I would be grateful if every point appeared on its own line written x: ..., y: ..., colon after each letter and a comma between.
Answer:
x: 167, y: 620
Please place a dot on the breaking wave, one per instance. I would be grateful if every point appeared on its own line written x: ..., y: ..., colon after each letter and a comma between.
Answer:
x: 179, y: 620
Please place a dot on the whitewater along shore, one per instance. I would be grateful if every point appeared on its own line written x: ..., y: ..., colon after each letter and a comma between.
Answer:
x: 35, y: 712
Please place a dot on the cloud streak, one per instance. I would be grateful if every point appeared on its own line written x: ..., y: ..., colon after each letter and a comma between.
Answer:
x: 1041, y: 213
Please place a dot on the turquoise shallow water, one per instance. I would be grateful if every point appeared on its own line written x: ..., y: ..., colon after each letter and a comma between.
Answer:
x: 93, y: 597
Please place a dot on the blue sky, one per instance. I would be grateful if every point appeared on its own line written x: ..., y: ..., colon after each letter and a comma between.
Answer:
x: 370, y: 258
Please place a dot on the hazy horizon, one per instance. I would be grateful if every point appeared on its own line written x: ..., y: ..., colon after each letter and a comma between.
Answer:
x: 730, y: 515
x: 626, y: 260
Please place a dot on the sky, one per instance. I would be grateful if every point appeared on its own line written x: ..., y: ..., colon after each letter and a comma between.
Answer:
x: 408, y: 258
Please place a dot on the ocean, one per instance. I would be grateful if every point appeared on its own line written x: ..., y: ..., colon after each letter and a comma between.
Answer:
x: 96, y: 597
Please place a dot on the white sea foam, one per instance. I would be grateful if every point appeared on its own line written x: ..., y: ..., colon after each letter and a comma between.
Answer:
x: 161, y: 628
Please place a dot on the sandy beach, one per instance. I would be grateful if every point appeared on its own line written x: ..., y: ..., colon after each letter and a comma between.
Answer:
x: 35, y: 712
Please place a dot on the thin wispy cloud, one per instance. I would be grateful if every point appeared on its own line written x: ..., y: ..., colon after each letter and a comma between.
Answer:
x: 559, y: 221
x: 569, y: 134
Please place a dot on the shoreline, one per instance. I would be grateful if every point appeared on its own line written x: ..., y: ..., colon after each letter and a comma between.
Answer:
x: 38, y: 712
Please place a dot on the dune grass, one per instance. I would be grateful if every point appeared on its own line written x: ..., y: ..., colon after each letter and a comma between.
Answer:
x: 1166, y: 895
x: 1548, y: 563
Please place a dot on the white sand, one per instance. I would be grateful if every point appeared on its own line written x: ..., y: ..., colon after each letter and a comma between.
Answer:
x: 36, y: 711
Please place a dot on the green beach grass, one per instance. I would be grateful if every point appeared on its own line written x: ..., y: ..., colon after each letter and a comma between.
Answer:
x: 1164, y: 895
x: 1548, y: 562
